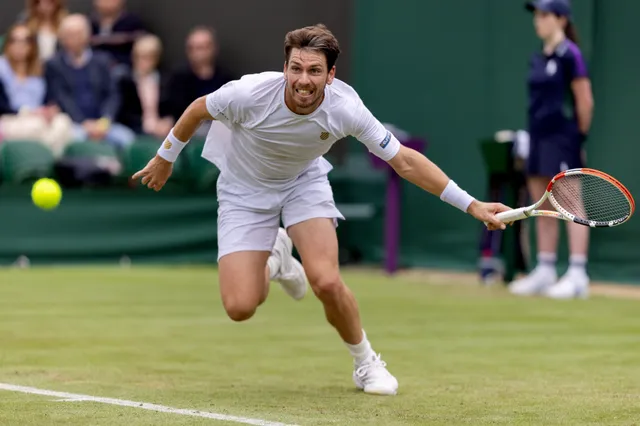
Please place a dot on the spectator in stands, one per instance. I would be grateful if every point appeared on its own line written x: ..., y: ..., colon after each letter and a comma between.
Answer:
x: 23, y: 113
x: 143, y: 91
x: 43, y: 17
x: 560, y: 114
x: 115, y: 29
x: 201, y: 76
x: 21, y: 80
x: 82, y: 84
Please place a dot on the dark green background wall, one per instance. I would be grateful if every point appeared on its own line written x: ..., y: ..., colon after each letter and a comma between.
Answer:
x: 454, y: 71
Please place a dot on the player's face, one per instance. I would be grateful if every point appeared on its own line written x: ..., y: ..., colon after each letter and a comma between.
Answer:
x: 546, y: 24
x: 307, y: 75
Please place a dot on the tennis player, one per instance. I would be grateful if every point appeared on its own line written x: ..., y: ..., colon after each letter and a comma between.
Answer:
x: 273, y: 168
x: 560, y: 112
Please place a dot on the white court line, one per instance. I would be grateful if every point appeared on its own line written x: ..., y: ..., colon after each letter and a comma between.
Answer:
x: 144, y: 405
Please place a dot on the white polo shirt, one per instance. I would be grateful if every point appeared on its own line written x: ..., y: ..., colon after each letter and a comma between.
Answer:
x: 270, y: 146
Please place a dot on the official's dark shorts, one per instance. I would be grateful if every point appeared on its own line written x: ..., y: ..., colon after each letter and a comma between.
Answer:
x: 550, y: 155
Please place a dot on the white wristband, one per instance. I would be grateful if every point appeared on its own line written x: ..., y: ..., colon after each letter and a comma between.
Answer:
x: 171, y: 148
x: 457, y: 197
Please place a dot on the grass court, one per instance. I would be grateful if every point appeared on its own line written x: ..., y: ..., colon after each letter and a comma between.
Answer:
x: 462, y: 353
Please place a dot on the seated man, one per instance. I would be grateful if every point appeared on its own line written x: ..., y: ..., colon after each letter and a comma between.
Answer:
x: 80, y: 82
x: 202, y: 74
x: 114, y: 29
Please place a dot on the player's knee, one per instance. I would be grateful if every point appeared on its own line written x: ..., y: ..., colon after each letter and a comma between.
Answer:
x: 327, y: 286
x: 239, y: 310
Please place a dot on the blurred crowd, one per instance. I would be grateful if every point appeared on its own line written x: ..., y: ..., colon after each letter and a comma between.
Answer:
x: 66, y: 77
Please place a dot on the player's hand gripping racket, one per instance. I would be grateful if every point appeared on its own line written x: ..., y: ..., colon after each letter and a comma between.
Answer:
x: 585, y: 196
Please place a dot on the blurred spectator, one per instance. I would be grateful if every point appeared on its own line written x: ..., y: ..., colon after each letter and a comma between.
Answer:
x: 201, y: 76
x: 82, y: 84
x: 143, y: 91
x: 22, y: 94
x: 114, y: 29
x: 43, y: 17
x: 21, y: 72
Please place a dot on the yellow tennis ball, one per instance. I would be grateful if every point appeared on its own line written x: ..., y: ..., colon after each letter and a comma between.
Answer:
x: 46, y: 194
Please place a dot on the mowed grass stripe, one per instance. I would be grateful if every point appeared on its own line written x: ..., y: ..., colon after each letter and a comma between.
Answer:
x: 462, y: 354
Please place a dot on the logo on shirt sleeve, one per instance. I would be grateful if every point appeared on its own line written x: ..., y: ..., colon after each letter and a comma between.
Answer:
x: 324, y: 136
x: 386, y: 140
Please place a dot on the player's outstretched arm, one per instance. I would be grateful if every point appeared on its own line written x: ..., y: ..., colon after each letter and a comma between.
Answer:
x: 419, y: 170
x: 157, y: 171
x: 191, y: 118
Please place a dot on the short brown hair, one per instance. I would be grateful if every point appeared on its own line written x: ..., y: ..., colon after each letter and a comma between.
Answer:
x: 316, y: 37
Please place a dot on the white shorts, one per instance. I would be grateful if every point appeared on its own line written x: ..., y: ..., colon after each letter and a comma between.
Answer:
x: 249, y: 219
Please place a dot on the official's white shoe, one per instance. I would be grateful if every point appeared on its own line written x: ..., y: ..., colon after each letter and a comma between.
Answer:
x: 291, y: 275
x: 573, y: 284
x: 536, y: 282
x: 372, y: 376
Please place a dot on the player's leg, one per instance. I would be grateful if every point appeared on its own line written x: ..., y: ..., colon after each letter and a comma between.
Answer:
x: 310, y: 215
x: 317, y: 244
x: 316, y: 241
x: 244, y: 282
x: 540, y: 165
x: 250, y: 251
x: 246, y: 269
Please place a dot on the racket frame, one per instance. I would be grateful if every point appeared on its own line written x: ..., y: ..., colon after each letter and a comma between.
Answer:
x: 561, y: 213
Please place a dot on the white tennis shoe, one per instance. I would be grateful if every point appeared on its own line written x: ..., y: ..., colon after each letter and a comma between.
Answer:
x: 372, y: 377
x: 573, y: 284
x: 291, y: 275
x: 537, y: 282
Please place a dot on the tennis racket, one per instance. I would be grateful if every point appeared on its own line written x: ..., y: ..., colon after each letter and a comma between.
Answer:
x: 585, y: 196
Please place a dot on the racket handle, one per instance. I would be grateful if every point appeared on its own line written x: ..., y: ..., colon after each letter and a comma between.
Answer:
x: 512, y: 215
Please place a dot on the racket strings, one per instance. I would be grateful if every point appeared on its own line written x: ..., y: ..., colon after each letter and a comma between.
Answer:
x: 591, y: 197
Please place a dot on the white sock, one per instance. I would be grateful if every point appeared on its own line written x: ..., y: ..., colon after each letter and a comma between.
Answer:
x: 578, y: 263
x: 546, y: 260
x: 362, y: 350
x: 274, y: 266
